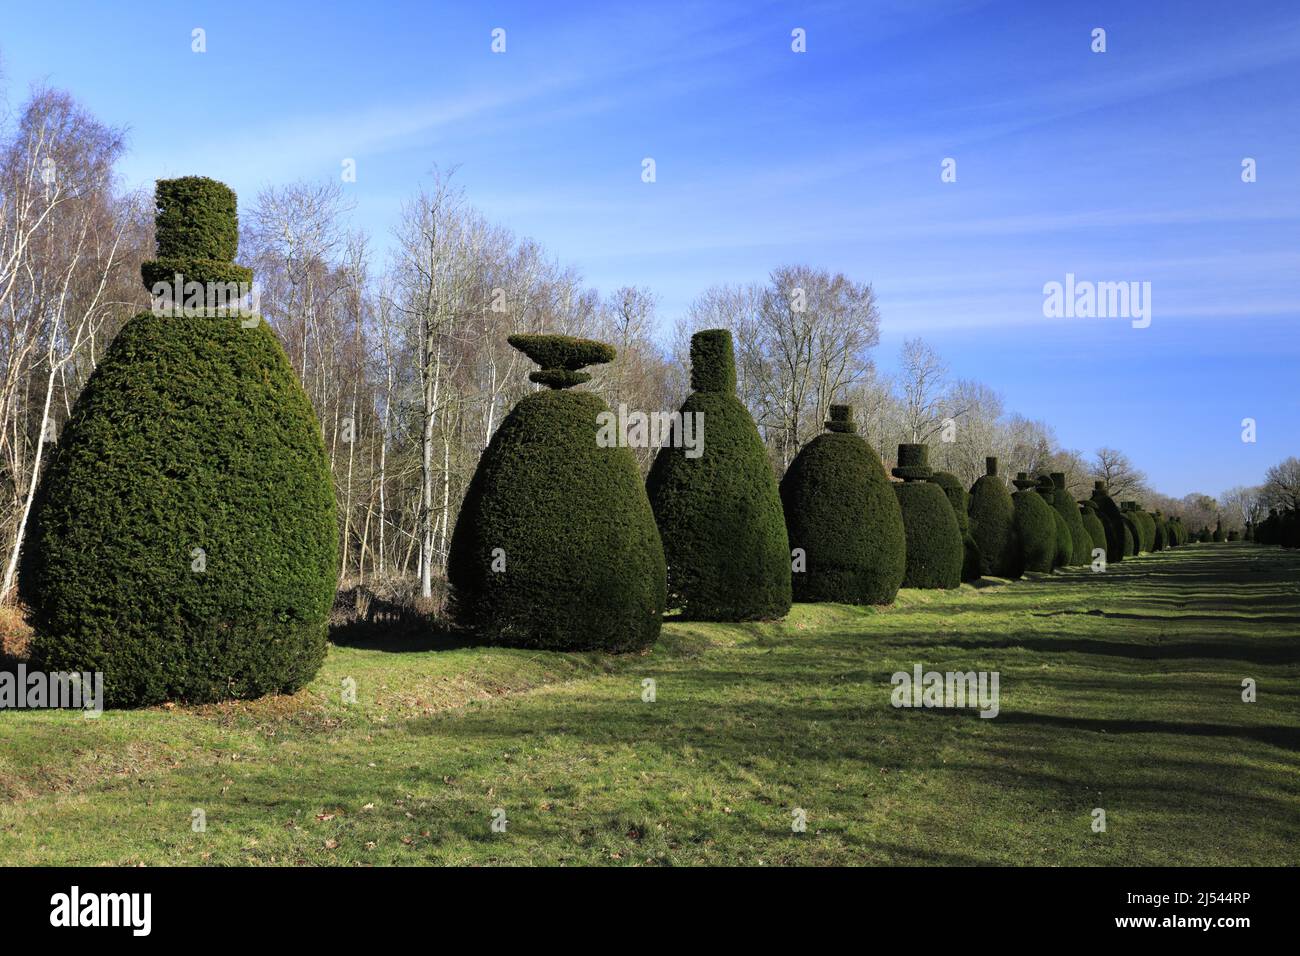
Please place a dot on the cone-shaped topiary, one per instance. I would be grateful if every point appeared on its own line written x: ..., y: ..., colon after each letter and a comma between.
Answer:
x: 720, y: 513
x: 184, y: 539
x: 1145, y: 524
x: 1064, y: 540
x: 1080, y: 540
x: 1035, y: 526
x: 1109, y: 514
x: 992, y: 524
x: 555, y: 546
x: 1217, y: 536
x: 1093, y: 525
x: 840, y: 510
x: 935, y: 553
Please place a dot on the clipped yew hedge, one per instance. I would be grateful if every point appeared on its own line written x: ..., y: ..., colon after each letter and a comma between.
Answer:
x: 556, y: 546
x: 992, y: 524
x: 935, y: 553
x: 841, y: 511
x: 720, y: 514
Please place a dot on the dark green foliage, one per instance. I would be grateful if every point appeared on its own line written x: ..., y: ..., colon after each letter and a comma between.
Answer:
x: 165, y: 271
x: 720, y: 514
x: 935, y: 553
x: 957, y: 497
x: 192, y: 433
x: 972, y: 561
x: 713, y: 362
x: 840, y: 510
x: 1130, y: 536
x: 1035, y: 526
x: 934, y: 545
x: 580, y: 565
x: 1163, y: 533
x: 184, y: 541
x: 561, y: 358
x: 1234, y: 535
x: 1291, y: 529
x: 1093, y: 525
x: 195, y: 219
x: 1268, y: 529
x: 1053, y: 491
x: 992, y: 524
x: 1217, y: 535
x: 960, y: 501
x: 1109, y: 514
x: 1145, y: 523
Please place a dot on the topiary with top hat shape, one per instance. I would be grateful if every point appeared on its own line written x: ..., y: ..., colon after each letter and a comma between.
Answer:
x: 993, y: 524
x: 720, y: 514
x: 184, y: 540
x: 840, y: 511
x: 1080, y: 539
x: 555, y: 546
x: 934, y: 546
x: 1092, y: 524
x: 1064, y: 543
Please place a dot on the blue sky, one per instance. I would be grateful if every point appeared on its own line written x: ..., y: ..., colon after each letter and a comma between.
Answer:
x: 1122, y: 166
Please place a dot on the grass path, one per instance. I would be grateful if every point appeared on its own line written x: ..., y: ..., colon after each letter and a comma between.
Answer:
x: 1119, y: 691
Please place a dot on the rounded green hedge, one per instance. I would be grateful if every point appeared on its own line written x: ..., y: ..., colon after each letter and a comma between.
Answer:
x: 992, y: 524
x: 1080, y: 540
x: 556, y: 546
x: 184, y: 541
x: 960, y: 501
x: 1035, y: 526
x: 1145, y: 524
x: 1217, y: 534
x: 840, y: 510
x: 1109, y: 514
x: 1064, y: 540
x: 720, y: 514
x: 935, y: 552
x: 1092, y: 523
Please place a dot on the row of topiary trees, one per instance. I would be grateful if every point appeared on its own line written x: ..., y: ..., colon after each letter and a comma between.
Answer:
x: 183, y: 539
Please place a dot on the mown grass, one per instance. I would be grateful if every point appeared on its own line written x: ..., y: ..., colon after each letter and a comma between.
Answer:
x: 1120, y: 691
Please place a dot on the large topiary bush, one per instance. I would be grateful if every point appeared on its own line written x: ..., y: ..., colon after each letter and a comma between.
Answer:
x: 720, y: 513
x: 840, y: 510
x: 555, y: 546
x: 1217, y: 534
x: 1080, y: 540
x: 992, y: 524
x: 1064, y: 539
x: 1035, y: 526
x: 960, y: 501
x: 1109, y: 514
x: 1145, y: 524
x: 1132, y: 534
x: 1092, y: 523
x: 184, y: 539
x: 935, y: 553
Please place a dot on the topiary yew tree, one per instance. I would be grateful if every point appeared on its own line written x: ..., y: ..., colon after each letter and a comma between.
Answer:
x: 720, y: 513
x: 935, y: 553
x: 1080, y: 539
x: 1092, y: 524
x: 184, y: 539
x: 1064, y: 543
x: 555, y: 546
x: 1109, y: 514
x: 992, y: 524
x: 840, y: 511
x: 1035, y: 526
x: 960, y: 501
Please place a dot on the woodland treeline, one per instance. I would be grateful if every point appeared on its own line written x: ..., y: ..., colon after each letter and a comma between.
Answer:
x: 405, y: 356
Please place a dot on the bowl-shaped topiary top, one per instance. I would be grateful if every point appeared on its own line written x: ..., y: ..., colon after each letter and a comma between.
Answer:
x: 184, y: 539
x: 562, y: 357
x: 720, y: 513
x: 555, y: 546
x: 992, y: 524
x: 197, y: 230
x: 840, y: 509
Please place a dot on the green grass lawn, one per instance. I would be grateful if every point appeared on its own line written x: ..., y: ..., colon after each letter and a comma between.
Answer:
x: 1119, y: 690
